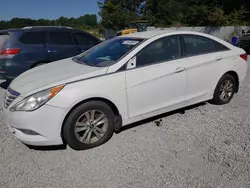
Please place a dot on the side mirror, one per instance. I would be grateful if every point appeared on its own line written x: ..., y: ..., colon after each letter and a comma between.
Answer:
x: 243, y: 31
x: 131, y: 63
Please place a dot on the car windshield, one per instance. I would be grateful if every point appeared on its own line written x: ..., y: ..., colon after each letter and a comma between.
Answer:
x: 108, y: 52
x: 248, y: 31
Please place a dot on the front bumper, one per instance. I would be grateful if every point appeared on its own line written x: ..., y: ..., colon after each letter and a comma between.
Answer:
x: 41, y: 127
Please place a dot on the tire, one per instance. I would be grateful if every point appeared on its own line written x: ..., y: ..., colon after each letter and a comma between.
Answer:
x: 218, y: 96
x: 78, y: 125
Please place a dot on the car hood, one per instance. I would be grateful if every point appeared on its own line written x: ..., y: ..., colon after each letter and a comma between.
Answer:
x: 52, y: 74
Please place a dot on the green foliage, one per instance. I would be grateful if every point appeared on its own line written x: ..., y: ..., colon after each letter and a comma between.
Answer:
x: 117, y: 14
x: 83, y: 22
x: 161, y: 13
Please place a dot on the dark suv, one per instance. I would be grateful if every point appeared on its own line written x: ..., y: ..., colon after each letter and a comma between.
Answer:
x: 25, y: 48
x: 244, y: 41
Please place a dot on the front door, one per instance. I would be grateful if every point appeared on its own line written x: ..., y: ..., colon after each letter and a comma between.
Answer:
x: 85, y: 41
x: 159, y: 79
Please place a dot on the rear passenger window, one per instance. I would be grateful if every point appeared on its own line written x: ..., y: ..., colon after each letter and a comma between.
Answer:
x: 220, y: 47
x: 197, y: 45
x: 60, y: 38
x: 83, y: 39
x: 33, y: 38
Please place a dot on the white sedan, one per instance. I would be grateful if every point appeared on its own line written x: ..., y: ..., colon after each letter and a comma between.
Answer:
x: 82, y: 100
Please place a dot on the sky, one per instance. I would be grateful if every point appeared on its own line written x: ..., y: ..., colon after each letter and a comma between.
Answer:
x: 48, y: 9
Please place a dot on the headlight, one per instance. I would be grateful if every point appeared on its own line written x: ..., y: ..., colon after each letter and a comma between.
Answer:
x: 36, y: 100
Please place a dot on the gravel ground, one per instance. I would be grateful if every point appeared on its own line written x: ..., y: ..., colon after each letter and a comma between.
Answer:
x: 207, y: 146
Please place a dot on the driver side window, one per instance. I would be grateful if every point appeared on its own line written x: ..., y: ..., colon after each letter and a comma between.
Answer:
x: 164, y: 49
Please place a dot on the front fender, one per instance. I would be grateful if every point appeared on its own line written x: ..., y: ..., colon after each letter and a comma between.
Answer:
x: 110, y: 87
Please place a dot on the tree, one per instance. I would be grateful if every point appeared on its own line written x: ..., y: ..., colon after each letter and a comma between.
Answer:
x: 83, y: 22
x: 117, y: 14
x: 198, y: 12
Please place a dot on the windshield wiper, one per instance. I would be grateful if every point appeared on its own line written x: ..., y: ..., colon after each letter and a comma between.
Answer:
x: 90, y: 64
x: 77, y: 60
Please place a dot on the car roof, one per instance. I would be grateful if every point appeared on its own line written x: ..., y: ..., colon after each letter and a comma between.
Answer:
x: 34, y: 29
x: 164, y: 32
x: 10, y: 30
x: 47, y: 29
x: 156, y: 32
x: 40, y: 28
x: 147, y: 34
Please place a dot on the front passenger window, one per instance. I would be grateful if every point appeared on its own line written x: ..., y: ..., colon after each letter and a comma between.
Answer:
x: 84, y: 39
x: 164, y: 49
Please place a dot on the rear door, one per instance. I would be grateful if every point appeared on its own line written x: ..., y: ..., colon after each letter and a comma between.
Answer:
x: 32, y: 51
x: 204, y: 60
x: 33, y: 47
x: 60, y: 45
x: 85, y: 41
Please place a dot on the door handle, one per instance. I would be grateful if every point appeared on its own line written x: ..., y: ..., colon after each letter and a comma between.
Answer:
x: 51, y: 51
x: 179, y: 69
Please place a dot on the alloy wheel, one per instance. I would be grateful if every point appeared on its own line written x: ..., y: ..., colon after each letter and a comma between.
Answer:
x: 226, y: 90
x: 91, y: 126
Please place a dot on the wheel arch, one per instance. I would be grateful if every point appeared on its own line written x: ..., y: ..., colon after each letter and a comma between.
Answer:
x: 236, y: 77
x: 118, y: 117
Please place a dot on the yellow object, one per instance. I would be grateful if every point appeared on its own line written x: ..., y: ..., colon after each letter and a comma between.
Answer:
x: 135, y: 26
x: 128, y: 31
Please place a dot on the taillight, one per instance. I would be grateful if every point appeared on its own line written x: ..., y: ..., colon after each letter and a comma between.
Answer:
x: 10, y: 51
x: 244, y: 56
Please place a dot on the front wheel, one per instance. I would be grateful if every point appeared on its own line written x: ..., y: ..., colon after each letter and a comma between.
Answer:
x: 225, y: 90
x: 89, y: 125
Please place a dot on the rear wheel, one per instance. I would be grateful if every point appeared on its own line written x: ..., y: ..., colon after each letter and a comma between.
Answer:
x: 225, y: 90
x: 89, y: 125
